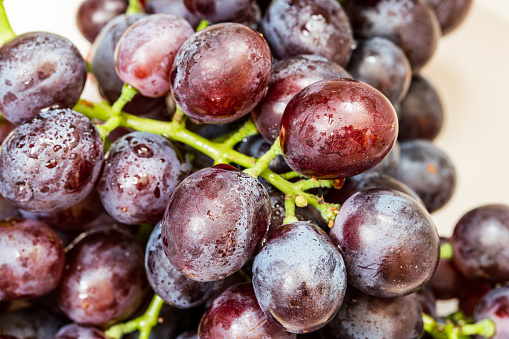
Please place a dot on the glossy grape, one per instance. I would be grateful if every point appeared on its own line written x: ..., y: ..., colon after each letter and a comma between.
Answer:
x: 428, y: 171
x: 93, y: 15
x: 221, y: 73
x: 168, y: 283
x: 104, y: 280
x: 216, y: 11
x: 411, y: 24
x: 337, y: 128
x: 144, y: 54
x: 102, y: 65
x: 31, y: 322
x: 141, y: 171
x: 421, y: 113
x: 321, y: 27
x: 288, y: 77
x: 73, y: 331
x: 51, y: 162
x: 299, y: 277
x: 176, y: 7
x: 481, y: 243
x: 389, y: 242
x: 495, y: 306
x: 389, y: 165
x: 39, y: 70
x: 32, y: 260
x: 382, y: 64
x: 363, y: 316
x: 450, y: 13
x: 216, y: 219
x: 236, y: 314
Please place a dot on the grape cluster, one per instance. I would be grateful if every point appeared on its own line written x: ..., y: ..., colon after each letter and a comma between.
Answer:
x: 256, y: 170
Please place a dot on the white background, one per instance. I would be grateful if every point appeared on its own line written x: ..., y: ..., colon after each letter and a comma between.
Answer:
x: 470, y: 70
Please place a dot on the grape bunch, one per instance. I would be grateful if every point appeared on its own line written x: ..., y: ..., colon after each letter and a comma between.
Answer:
x: 255, y: 170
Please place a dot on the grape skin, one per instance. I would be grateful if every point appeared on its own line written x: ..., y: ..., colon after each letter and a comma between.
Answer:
x: 216, y: 219
x: 54, y: 75
x: 389, y: 242
x: 93, y: 15
x: 32, y: 260
x: 51, y: 162
x: 176, y: 7
x: 494, y: 305
x: 141, y: 172
x: 74, y: 331
x: 31, y: 322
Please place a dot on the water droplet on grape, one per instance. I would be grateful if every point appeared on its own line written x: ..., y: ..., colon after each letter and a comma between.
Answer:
x: 23, y: 191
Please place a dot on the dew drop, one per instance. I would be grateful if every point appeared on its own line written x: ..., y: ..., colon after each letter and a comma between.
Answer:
x: 23, y: 191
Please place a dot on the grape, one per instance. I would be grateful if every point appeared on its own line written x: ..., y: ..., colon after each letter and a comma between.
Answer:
x: 321, y: 27
x: 216, y: 219
x: 450, y: 13
x: 104, y: 280
x: 389, y: 242
x: 427, y: 300
x: 5, y: 128
x: 141, y: 171
x: 299, y: 277
x: 421, y: 114
x: 411, y: 24
x: 93, y: 15
x: 144, y: 54
x: 363, y: 316
x: 236, y: 314
x: 7, y: 210
x: 176, y: 7
x: 188, y: 335
x: 221, y: 73
x: 288, y: 77
x: 481, y: 243
x: 102, y: 66
x: 428, y: 171
x: 447, y: 282
x: 73, y: 331
x: 382, y: 64
x: 39, y: 70
x: 168, y: 283
x: 32, y: 260
x: 51, y: 162
x: 337, y: 128
x: 29, y: 323
x: 495, y: 306
x: 389, y: 165
x: 216, y: 11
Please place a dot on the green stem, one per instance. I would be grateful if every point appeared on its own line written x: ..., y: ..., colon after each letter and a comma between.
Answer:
x: 202, y: 25
x: 308, y: 184
x: 108, y: 126
x: 289, y: 210
x: 179, y: 118
x: 128, y: 92
x: 247, y: 130
x: 446, y: 251
x: 143, y: 323
x: 6, y: 32
x: 290, y: 175
x: 485, y: 328
x: 134, y: 7
x: 263, y: 162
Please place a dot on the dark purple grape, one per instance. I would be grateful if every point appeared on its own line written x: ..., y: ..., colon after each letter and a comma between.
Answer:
x: 480, y: 243
x: 472, y: 294
x: 299, y: 277
x: 411, y: 24
x: 39, y: 70
x: 188, y: 335
x: 144, y: 54
x: 389, y: 242
x: 51, y: 162
x: 236, y: 314
x: 421, y: 114
x: 76, y: 218
x: 7, y: 210
x: 288, y: 77
x: 447, y: 282
x: 141, y: 171
x: 31, y: 323
x: 32, y: 260
x: 382, y: 64
x: 74, y: 331
x: 256, y: 146
x: 102, y: 66
x: 495, y: 306
x: 215, y: 221
x: 366, y: 181
x: 450, y: 13
x: 172, y: 286
x: 216, y: 11
x: 389, y: 165
x: 427, y: 300
x: 321, y: 27
x: 428, y: 171
x: 337, y: 128
x: 93, y: 15
x: 363, y: 316
x: 5, y: 128
x: 104, y: 280
x: 176, y: 7
x: 221, y: 73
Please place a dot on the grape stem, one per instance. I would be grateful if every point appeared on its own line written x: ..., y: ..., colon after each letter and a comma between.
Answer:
x: 485, y: 328
x: 446, y: 251
x: 263, y: 162
x: 143, y: 323
x: 202, y: 25
x: 6, y: 32
x: 289, y: 209
x: 134, y: 7
x: 290, y: 175
x: 217, y: 151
